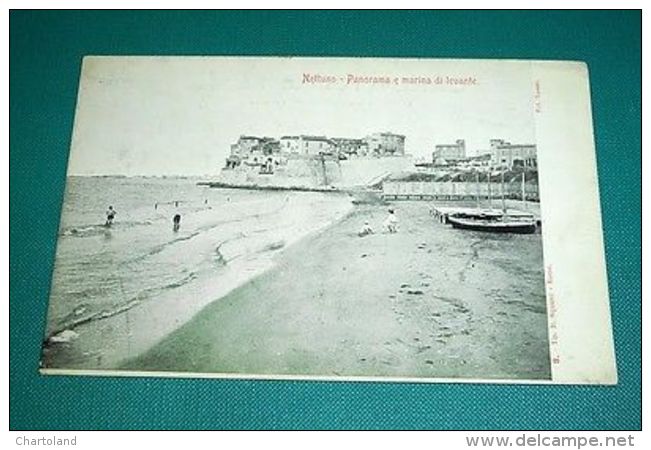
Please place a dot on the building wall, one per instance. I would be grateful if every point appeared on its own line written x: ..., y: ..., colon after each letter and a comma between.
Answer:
x: 362, y: 171
x: 315, y: 146
x: 270, y: 146
x: 306, y: 145
x: 305, y: 171
x: 383, y: 144
x: 289, y: 144
x: 244, y: 145
x: 510, y: 155
x: 295, y: 171
x: 450, y: 151
x: 351, y: 148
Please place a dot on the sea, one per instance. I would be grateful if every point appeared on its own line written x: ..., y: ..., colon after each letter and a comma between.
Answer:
x: 119, y: 289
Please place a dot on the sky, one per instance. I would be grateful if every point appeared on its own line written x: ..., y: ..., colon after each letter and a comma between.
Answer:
x: 179, y: 115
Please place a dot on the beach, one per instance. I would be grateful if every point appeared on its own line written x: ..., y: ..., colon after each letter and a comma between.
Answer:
x: 118, y: 290
x: 426, y: 302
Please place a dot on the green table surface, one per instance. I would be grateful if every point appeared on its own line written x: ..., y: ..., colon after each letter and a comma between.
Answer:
x: 46, y: 48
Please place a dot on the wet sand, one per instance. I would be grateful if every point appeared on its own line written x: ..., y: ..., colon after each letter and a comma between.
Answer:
x: 428, y: 301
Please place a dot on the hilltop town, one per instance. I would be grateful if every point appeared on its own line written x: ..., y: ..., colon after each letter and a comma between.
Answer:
x: 268, y: 153
x: 313, y: 162
x: 322, y: 162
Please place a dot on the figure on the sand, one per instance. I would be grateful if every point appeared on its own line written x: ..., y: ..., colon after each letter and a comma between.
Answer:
x: 365, y: 230
x: 391, y: 222
x: 177, y: 222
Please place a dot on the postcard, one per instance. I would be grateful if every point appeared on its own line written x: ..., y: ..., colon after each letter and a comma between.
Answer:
x: 367, y: 219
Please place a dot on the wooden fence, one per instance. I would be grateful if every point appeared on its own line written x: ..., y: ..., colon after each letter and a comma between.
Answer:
x: 456, y: 190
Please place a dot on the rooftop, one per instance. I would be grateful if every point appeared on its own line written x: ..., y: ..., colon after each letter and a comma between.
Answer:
x: 316, y: 138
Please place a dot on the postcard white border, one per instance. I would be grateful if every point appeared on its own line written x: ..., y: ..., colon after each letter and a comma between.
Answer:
x: 578, y: 308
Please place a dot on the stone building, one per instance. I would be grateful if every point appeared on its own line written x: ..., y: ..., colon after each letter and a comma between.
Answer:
x: 254, y: 145
x: 307, y: 145
x: 316, y: 145
x: 289, y: 144
x: 350, y: 147
x: 244, y: 145
x: 505, y: 154
x: 253, y: 151
x: 386, y: 144
x: 449, y: 153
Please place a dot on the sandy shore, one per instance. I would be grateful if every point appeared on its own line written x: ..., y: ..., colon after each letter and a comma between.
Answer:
x: 429, y: 301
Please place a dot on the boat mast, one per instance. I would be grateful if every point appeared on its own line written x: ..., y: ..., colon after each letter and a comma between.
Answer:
x: 524, y: 198
x: 490, y: 196
x: 477, y: 186
x: 502, y: 191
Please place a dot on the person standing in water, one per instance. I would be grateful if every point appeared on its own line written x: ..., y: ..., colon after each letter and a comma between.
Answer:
x: 177, y: 222
x: 110, y: 215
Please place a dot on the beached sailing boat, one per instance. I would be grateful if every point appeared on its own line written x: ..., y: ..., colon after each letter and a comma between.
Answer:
x: 522, y: 223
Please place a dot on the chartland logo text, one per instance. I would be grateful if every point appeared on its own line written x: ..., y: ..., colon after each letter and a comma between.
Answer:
x: 49, y: 441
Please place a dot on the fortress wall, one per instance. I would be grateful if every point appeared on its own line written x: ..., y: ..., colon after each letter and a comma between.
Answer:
x: 312, y: 172
x: 359, y: 172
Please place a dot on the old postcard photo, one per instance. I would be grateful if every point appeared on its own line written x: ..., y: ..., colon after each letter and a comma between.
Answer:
x: 331, y: 218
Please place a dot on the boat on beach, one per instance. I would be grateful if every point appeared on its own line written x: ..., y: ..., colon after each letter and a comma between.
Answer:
x: 494, y: 221
x: 503, y: 224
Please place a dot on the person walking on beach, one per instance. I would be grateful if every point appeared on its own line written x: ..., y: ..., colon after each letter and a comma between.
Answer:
x: 391, y: 222
x: 110, y: 215
x: 177, y: 222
